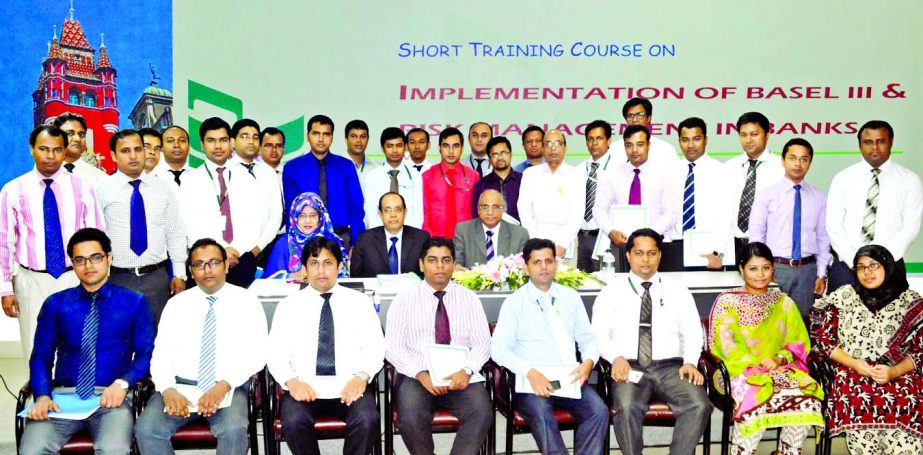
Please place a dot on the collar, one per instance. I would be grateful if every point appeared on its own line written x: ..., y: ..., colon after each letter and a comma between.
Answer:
x: 535, y: 293
x: 388, y: 235
x: 606, y: 156
x: 886, y: 166
x: 211, y: 166
x: 495, y: 229
x: 124, y: 178
x: 429, y: 289
x: 105, y: 290
x: 789, y: 184
x: 638, y: 280
x: 54, y: 176
x: 765, y: 156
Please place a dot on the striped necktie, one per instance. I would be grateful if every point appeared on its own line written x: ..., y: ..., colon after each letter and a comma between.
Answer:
x: 746, y: 198
x: 871, y: 209
x: 207, y: 350
x: 590, y: 192
x: 490, y: 245
x: 645, y: 345
x: 326, y: 340
x: 689, y: 200
x: 86, y: 377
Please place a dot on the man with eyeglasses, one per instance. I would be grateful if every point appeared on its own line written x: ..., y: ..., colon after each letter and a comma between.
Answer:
x: 533, y: 139
x: 790, y: 218
x: 142, y: 218
x: 75, y: 157
x: 488, y: 236
x: 551, y: 202
x: 438, y: 311
x: 212, y: 338
x: 391, y: 248
x: 447, y: 200
x: 639, y: 111
x: 175, y: 156
x: 395, y: 176
x: 503, y: 178
x: 598, y: 135
x: 98, y: 338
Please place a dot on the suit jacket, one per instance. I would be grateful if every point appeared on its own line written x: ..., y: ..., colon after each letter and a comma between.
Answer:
x: 370, y: 254
x: 470, y: 241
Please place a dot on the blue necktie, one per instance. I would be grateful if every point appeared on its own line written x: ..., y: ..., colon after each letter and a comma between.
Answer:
x: 689, y: 200
x: 138, y: 222
x: 326, y: 350
x: 207, y: 348
x: 392, y: 257
x: 86, y: 377
x: 796, y: 225
x: 54, y: 243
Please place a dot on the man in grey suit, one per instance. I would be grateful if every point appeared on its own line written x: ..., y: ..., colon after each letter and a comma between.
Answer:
x: 487, y: 236
x: 391, y: 248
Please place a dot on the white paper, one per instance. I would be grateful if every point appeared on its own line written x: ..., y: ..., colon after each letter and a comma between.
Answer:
x: 625, y: 219
x: 192, y: 393
x: 634, y: 376
x: 553, y: 372
x: 698, y: 242
x: 328, y: 386
x: 443, y: 360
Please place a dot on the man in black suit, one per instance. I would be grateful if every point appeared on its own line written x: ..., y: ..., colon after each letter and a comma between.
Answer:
x: 391, y: 248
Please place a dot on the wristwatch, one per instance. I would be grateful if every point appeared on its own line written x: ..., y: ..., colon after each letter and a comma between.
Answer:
x: 363, y: 375
x: 122, y: 383
x: 720, y: 255
x: 467, y: 371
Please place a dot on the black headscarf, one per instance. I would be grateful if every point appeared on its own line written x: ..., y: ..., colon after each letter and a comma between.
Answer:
x: 895, y: 278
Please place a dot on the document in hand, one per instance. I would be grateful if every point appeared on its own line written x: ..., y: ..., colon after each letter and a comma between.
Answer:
x: 553, y: 372
x: 625, y: 219
x: 696, y: 243
x: 443, y: 360
x: 192, y: 393
x: 72, y: 406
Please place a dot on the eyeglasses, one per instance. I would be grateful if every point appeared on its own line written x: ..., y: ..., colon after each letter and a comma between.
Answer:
x: 554, y: 144
x: 496, y: 155
x: 390, y: 210
x: 308, y: 216
x: 489, y: 208
x: 637, y: 116
x: 212, y: 264
x: 873, y: 267
x: 79, y: 261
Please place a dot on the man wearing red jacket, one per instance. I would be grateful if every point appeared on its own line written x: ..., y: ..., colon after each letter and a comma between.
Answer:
x: 447, y: 187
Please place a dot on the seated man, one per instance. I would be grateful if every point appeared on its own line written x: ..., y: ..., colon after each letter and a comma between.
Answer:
x: 211, y: 339
x: 101, y: 336
x: 442, y: 312
x: 325, y: 346
x: 540, y: 323
x: 481, y: 239
x: 391, y: 248
x: 665, y: 354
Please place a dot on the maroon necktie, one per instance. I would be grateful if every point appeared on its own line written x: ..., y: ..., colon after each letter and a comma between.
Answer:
x: 634, y: 193
x: 225, y: 205
x: 443, y: 335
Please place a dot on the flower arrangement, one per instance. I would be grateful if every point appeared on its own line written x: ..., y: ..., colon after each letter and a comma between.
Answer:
x: 507, y: 273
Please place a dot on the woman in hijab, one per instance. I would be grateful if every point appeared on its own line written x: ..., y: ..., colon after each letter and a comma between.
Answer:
x: 873, y: 332
x: 308, y: 219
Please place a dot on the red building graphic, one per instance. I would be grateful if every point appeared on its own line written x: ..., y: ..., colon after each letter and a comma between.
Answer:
x: 72, y: 82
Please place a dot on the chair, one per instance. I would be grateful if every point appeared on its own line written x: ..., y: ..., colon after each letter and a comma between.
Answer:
x: 81, y: 442
x: 197, y: 434
x: 443, y: 420
x: 326, y: 427
x: 824, y: 369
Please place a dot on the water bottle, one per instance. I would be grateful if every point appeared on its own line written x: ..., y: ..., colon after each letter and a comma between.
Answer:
x: 607, y: 264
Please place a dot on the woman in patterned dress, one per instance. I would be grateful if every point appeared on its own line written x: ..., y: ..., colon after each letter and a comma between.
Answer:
x: 759, y: 334
x: 873, y: 331
x: 308, y: 218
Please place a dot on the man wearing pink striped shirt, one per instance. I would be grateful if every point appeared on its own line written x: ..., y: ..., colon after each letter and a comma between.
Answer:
x: 39, y: 212
x: 442, y: 312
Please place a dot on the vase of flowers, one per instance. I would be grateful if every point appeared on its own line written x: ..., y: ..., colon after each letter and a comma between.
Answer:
x: 507, y: 273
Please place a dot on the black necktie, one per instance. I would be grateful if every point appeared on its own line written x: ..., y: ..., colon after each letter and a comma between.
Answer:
x: 250, y: 168
x: 322, y: 181
x: 419, y: 167
x: 644, y: 329
x: 326, y: 351
x: 69, y: 167
x: 480, y: 167
x: 176, y: 175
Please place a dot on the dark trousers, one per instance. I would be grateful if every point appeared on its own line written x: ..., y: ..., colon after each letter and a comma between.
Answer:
x: 362, y: 423
x: 345, y: 235
x: 154, y: 286
x: 415, y: 408
x: 586, y: 240
x: 661, y: 381
x: 592, y: 421
x: 798, y: 283
x: 243, y: 273
x: 739, y: 244
x: 671, y: 259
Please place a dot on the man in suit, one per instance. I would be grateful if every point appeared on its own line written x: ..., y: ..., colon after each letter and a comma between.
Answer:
x: 481, y: 239
x: 391, y: 248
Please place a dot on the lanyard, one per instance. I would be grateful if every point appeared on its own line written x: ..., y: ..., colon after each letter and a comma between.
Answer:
x: 605, y: 166
x: 446, y: 177
x: 217, y: 196
x: 660, y: 280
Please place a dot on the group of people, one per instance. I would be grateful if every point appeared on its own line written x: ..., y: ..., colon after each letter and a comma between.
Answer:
x: 312, y: 219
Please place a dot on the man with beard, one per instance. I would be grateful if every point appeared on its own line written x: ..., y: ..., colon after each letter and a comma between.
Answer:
x: 503, y: 178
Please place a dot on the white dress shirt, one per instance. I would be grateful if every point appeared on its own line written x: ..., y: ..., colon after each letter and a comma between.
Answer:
x: 165, y: 230
x: 359, y: 343
x: 486, y: 168
x: 377, y: 182
x: 900, y: 206
x: 87, y: 172
x: 551, y: 204
x: 167, y: 176
x: 712, y: 199
x: 606, y: 162
x: 241, y: 342
x: 661, y: 153
x: 768, y: 173
x: 251, y: 206
x: 656, y: 194
x: 676, y: 330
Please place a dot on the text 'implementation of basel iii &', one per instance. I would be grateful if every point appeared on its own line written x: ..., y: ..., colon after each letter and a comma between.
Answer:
x: 579, y: 49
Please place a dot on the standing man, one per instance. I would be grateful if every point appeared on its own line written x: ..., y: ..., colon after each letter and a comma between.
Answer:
x: 417, y: 146
x: 551, y: 204
x: 873, y: 201
x: 750, y: 173
x: 41, y: 210
x: 540, y: 323
x: 664, y: 347
x: 533, y: 140
x: 357, y: 141
x: 395, y: 177
x: 635, y: 182
x: 442, y: 312
x: 142, y: 217
x: 175, y: 155
x: 447, y: 200
x: 75, y: 159
x: 326, y: 345
x: 391, y: 248
x: 212, y: 338
x: 272, y: 149
x: 503, y: 178
x: 331, y: 177
x: 246, y: 136
x: 479, y: 134
x: 790, y: 218
x: 596, y: 170
x: 223, y: 201
x: 99, y: 338
x: 639, y: 111
x: 489, y: 235
x: 153, y: 148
